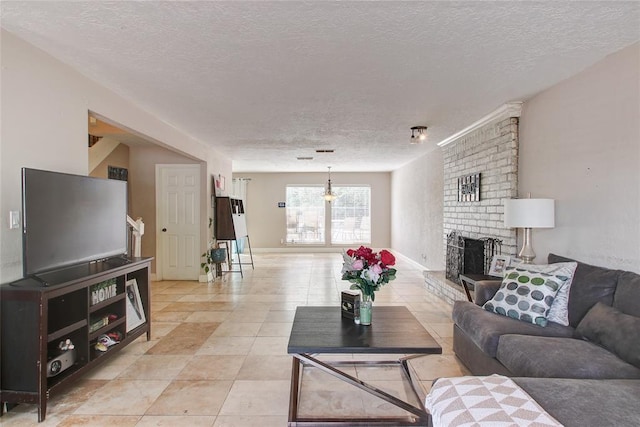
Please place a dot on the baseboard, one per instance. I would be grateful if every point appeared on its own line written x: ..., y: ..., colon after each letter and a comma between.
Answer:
x: 409, y: 260
x: 296, y: 249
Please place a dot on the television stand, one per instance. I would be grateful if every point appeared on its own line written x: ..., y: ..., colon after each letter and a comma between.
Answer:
x: 30, y: 280
x: 80, y: 304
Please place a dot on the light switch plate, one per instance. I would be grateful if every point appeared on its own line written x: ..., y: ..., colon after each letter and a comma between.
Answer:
x: 14, y: 219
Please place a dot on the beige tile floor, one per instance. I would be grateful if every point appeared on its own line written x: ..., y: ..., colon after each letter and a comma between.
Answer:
x: 218, y: 354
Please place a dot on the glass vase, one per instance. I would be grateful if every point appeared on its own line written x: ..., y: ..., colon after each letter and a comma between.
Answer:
x: 366, y: 306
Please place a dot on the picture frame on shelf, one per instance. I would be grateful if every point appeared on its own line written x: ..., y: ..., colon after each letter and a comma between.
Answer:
x: 135, y: 309
x: 498, y: 264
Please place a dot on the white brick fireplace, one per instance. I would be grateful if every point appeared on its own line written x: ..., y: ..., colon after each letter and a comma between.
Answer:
x: 488, y: 147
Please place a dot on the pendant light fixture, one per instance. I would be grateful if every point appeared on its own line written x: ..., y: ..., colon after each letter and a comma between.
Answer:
x: 418, y: 134
x: 329, y: 195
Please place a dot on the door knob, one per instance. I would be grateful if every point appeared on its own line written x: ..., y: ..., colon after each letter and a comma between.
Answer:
x: 164, y: 230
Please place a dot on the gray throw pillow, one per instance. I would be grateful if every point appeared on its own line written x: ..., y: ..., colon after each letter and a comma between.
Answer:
x: 526, y: 295
x: 613, y: 330
x: 559, y: 312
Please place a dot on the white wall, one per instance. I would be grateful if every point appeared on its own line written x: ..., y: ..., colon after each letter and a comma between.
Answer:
x: 580, y: 144
x: 44, y: 126
x: 417, y: 206
x: 266, y: 222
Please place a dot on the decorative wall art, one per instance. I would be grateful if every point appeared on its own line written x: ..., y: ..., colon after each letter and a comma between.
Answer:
x: 469, y: 188
x: 220, y: 185
x: 121, y: 174
x: 135, y: 310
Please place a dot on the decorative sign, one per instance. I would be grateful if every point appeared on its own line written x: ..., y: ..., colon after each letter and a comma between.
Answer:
x: 469, y: 188
x: 103, y: 291
x: 350, y: 304
x: 121, y: 174
x: 281, y: 204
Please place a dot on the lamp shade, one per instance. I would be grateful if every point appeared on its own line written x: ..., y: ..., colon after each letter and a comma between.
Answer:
x: 529, y: 213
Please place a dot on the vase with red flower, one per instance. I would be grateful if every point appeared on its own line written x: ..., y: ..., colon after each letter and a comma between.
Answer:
x: 367, y: 271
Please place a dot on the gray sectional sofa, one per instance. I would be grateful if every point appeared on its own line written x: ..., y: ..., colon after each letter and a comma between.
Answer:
x: 584, y: 373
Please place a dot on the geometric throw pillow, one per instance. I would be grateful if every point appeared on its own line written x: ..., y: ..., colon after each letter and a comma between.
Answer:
x: 484, y: 401
x: 613, y: 330
x: 559, y: 312
x: 526, y: 295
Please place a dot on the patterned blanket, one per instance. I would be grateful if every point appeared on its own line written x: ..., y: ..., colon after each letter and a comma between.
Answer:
x: 484, y: 401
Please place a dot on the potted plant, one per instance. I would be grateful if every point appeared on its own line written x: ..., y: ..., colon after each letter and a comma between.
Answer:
x: 213, y: 255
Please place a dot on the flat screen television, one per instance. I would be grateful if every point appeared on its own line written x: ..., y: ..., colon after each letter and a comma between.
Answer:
x: 70, y: 219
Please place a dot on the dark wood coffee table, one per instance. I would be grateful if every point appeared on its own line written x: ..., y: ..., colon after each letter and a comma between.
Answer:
x: 394, y: 331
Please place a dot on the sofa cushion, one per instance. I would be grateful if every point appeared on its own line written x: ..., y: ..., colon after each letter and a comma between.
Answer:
x: 590, y: 284
x: 571, y: 401
x: 627, y: 295
x: 485, y: 328
x: 613, y: 330
x: 559, y: 312
x: 526, y: 294
x: 551, y: 357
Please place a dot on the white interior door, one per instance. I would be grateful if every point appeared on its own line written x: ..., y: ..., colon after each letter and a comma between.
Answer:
x: 178, y: 221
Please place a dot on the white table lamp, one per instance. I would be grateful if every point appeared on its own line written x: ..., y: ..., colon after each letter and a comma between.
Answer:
x: 528, y: 214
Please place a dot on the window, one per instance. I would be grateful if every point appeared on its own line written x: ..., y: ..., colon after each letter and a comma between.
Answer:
x: 305, y: 215
x: 351, y: 215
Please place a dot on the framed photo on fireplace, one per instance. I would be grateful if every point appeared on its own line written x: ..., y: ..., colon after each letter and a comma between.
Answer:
x: 498, y: 265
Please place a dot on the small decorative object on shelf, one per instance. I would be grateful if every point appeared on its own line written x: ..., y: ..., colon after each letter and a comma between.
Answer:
x: 101, y: 322
x: 107, y: 340
x: 66, y: 345
x: 367, y: 271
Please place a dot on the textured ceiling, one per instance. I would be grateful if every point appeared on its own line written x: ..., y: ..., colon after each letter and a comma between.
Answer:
x: 265, y: 82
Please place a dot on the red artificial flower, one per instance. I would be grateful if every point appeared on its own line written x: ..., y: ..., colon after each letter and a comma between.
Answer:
x: 363, y: 253
x: 387, y: 257
x: 368, y: 270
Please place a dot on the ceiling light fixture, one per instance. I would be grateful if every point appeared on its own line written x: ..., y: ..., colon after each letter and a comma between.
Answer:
x: 418, y: 134
x: 329, y: 195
